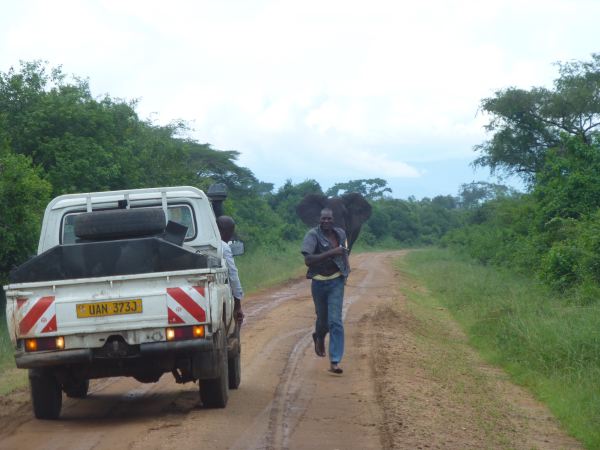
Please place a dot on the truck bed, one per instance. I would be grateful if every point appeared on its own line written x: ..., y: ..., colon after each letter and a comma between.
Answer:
x: 109, y: 258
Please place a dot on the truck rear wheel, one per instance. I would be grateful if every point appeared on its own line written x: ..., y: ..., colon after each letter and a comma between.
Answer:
x: 234, y: 362
x: 78, y: 389
x: 214, y: 393
x: 235, y: 371
x: 46, y: 394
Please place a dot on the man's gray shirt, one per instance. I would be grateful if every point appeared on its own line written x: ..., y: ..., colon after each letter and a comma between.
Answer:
x: 234, y: 279
x: 315, y: 242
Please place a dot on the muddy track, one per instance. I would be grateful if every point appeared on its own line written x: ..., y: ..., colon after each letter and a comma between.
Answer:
x: 287, y: 398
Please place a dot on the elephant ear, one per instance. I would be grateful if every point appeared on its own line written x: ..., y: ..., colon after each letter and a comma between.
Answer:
x: 309, y: 209
x: 358, y: 208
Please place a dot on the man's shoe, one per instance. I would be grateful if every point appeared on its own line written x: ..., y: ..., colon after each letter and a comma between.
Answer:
x: 334, y: 368
x: 319, y: 345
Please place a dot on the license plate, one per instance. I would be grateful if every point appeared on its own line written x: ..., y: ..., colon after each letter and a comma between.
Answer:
x: 112, y: 308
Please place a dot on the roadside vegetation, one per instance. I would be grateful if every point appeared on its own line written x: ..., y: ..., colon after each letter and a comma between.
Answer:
x: 544, y: 340
x: 550, y: 138
x: 6, y: 355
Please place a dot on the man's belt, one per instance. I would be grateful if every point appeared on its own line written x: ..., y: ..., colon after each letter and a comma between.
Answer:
x: 327, y: 277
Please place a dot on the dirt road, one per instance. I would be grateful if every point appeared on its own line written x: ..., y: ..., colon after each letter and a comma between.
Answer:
x: 396, y: 391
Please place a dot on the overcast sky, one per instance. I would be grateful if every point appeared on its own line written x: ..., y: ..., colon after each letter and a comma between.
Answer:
x: 332, y: 90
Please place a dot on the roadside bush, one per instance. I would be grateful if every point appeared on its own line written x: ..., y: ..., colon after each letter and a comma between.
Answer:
x: 588, y: 237
x: 560, y: 266
x: 366, y: 236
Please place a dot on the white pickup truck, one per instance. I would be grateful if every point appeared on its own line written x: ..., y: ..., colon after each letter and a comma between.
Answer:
x: 125, y: 283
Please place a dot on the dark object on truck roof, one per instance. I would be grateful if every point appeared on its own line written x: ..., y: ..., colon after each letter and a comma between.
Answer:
x: 108, y: 258
x: 217, y: 193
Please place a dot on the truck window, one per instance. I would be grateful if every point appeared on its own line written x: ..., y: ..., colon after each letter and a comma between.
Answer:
x: 68, y: 229
x: 177, y: 213
x: 182, y: 214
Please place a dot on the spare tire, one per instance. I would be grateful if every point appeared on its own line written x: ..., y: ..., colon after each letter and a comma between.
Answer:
x: 120, y: 223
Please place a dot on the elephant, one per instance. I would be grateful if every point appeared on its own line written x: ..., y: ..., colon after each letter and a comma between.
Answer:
x: 350, y: 211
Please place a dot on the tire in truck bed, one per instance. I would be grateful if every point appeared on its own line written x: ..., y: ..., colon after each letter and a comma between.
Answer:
x: 120, y: 223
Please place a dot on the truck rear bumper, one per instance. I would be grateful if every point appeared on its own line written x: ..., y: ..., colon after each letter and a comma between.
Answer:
x: 86, y: 356
x: 191, y: 346
x: 34, y: 360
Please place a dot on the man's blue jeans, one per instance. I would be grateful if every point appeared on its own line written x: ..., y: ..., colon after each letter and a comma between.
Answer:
x: 328, y: 296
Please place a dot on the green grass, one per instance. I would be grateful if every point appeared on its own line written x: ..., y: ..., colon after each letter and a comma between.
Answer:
x: 267, y: 266
x: 545, y: 342
x: 360, y: 246
x: 10, y: 377
x: 434, y: 336
x: 6, y: 349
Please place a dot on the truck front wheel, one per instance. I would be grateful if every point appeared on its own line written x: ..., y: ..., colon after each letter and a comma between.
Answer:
x: 214, y: 393
x: 46, y: 394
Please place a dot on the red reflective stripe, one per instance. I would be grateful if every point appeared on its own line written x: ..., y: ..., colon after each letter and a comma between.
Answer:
x: 34, y: 314
x: 173, y: 318
x: 21, y: 301
x: 51, y: 325
x: 200, y: 290
x: 188, y: 303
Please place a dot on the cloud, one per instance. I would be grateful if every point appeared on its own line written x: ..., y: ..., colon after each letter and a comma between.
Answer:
x: 378, y: 165
x: 333, y: 89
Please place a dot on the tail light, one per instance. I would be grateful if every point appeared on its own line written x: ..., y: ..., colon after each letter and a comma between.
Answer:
x: 46, y: 343
x: 181, y: 333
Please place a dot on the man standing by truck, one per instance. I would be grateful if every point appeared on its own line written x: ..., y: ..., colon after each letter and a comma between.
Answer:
x: 326, y: 256
x: 226, y: 226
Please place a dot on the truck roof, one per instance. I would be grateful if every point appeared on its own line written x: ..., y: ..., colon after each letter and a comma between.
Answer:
x: 97, y: 198
x: 207, y: 236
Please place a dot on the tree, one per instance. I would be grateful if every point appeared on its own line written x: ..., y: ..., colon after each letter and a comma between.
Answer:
x: 284, y: 203
x: 23, y: 197
x: 568, y: 185
x: 84, y: 143
x: 527, y: 123
x: 379, y: 222
x: 371, y: 189
x: 396, y: 218
x: 474, y: 194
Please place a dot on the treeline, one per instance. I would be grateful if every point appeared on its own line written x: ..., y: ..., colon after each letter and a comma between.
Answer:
x: 57, y: 138
x: 550, y: 138
x: 394, y: 222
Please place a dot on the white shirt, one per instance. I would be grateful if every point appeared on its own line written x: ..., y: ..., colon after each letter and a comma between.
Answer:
x: 234, y: 279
